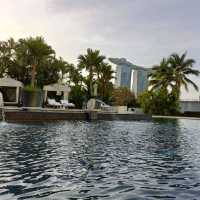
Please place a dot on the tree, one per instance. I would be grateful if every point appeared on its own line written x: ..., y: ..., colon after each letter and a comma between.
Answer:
x: 172, y: 73
x: 122, y: 96
x: 50, y: 71
x: 7, y: 57
x: 166, y: 80
x: 105, y: 86
x: 75, y: 76
x: 161, y: 76
x: 32, y: 51
x: 16, y: 59
x: 75, y: 79
x: 182, y: 68
x: 159, y: 102
x: 77, y: 95
x: 91, y: 63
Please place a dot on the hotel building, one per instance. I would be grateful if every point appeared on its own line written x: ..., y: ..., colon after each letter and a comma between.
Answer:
x: 131, y: 76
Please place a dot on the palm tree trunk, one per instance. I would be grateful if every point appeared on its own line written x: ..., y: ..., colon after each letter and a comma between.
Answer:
x: 33, y: 75
x: 176, y: 90
x: 90, y: 84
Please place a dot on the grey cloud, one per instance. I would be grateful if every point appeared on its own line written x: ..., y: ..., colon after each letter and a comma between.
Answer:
x: 143, y: 31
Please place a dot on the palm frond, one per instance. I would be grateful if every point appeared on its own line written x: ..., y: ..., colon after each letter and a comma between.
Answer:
x: 192, y: 83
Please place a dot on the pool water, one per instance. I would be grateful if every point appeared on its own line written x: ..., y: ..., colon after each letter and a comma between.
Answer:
x: 117, y: 160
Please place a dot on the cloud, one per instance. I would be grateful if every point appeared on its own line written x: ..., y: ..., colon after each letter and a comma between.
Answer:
x: 143, y: 31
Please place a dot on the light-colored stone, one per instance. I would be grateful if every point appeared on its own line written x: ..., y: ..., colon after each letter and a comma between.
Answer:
x: 120, y: 109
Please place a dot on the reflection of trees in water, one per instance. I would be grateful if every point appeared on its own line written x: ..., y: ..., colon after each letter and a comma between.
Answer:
x: 102, y: 152
x: 27, y: 154
x: 150, y: 154
x: 91, y: 146
x: 165, y: 138
x: 165, y: 152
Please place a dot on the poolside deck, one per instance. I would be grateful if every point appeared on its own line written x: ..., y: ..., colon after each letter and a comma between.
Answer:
x: 14, y: 114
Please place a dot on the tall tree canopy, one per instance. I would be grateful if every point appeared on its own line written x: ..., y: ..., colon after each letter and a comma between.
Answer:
x: 31, y: 60
x: 105, y: 85
x: 172, y: 73
x: 182, y: 68
x: 7, y: 55
x: 91, y: 62
x: 166, y: 80
x: 33, y: 51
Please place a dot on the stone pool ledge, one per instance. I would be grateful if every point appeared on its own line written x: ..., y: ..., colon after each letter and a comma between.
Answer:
x: 174, y: 117
x: 48, y: 114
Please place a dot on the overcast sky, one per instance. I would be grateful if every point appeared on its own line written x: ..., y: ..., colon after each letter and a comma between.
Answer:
x: 143, y: 31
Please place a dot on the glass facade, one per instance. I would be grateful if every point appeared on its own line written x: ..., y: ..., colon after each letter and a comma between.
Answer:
x: 142, y: 81
x: 126, y: 73
x: 136, y: 80
x: 130, y: 75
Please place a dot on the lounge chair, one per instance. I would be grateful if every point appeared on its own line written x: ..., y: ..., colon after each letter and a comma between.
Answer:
x: 53, y: 103
x: 66, y: 104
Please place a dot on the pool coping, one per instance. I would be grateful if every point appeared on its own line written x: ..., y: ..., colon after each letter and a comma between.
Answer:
x: 43, y: 114
x: 174, y: 117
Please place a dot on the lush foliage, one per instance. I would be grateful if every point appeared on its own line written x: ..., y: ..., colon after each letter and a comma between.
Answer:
x: 166, y: 80
x: 158, y: 102
x: 33, y: 62
x: 77, y: 96
x: 172, y: 73
x: 30, y: 88
x: 98, y: 72
x: 122, y: 96
x: 30, y: 60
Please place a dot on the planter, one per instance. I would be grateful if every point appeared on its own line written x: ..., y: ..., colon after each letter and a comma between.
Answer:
x: 120, y: 109
x: 32, y: 98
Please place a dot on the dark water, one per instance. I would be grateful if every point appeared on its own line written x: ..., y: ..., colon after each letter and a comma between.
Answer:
x: 100, y: 160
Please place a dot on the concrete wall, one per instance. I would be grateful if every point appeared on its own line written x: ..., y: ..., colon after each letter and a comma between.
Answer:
x: 189, y: 106
x: 42, y: 116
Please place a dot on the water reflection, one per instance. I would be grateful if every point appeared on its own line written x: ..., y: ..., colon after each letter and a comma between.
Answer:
x: 100, y: 160
x: 166, y: 149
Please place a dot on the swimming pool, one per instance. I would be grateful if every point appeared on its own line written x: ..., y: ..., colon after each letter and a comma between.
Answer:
x: 157, y: 159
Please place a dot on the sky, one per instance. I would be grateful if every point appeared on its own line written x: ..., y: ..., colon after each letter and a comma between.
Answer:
x: 143, y: 31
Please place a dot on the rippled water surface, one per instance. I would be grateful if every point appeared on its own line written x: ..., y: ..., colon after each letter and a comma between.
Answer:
x: 100, y: 160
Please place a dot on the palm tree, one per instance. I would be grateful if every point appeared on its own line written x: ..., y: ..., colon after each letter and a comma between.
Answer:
x: 6, y: 55
x: 161, y: 76
x: 32, y: 51
x: 182, y: 67
x: 106, y: 74
x: 172, y: 73
x: 91, y: 62
x: 74, y: 75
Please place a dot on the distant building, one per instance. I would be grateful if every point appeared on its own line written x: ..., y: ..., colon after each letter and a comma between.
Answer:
x: 131, y: 76
x: 189, y: 106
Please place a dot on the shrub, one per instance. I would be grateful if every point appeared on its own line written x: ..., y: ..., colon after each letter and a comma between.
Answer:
x: 30, y: 88
x: 77, y: 96
x: 159, y: 102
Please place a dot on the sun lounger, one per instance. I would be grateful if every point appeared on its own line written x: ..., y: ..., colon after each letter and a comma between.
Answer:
x: 53, y: 103
x: 66, y: 104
